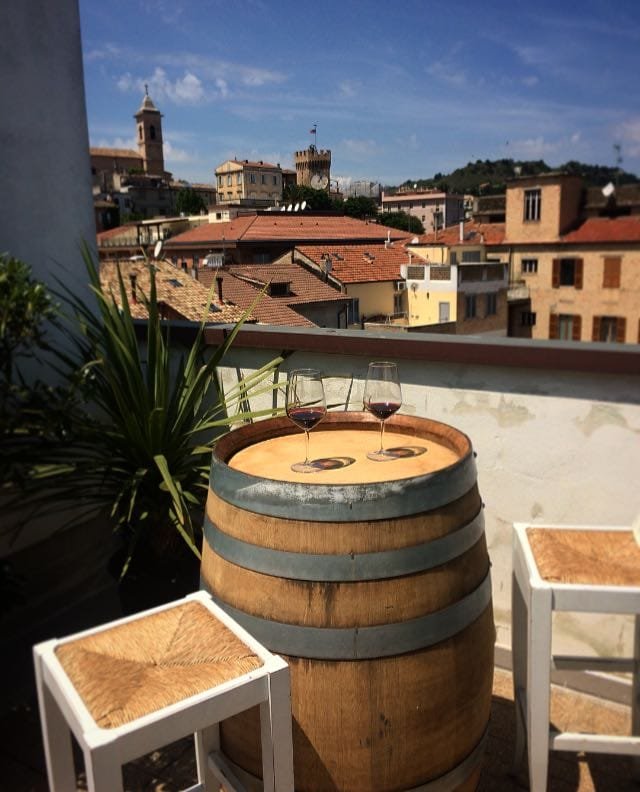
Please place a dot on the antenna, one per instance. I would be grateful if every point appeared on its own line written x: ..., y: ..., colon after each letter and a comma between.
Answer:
x: 608, y: 190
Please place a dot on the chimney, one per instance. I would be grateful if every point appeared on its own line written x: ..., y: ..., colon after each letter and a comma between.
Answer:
x: 462, y: 230
x: 219, y: 280
x: 184, y: 266
x: 134, y: 296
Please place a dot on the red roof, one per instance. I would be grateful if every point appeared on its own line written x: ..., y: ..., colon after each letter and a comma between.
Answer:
x: 269, y: 310
x: 305, y: 287
x: 360, y: 263
x: 282, y: 226
x: 474, y: 233
x: 606, y: 229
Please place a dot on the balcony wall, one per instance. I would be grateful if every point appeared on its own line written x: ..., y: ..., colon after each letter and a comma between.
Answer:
x: 556, y: 427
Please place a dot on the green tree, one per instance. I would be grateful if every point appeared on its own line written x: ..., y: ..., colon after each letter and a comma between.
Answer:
x: 316, y: 199
x: 189, y: 202
x: 401, y: 221
x: 360, y: 206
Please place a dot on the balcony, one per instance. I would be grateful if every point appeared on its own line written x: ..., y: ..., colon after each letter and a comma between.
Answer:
x: 555, y: 427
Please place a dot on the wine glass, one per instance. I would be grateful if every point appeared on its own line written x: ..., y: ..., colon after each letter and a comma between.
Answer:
x: 382, y: 397
x: 306, y: 407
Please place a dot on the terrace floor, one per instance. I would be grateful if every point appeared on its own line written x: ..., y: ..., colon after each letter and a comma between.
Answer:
x: 173, y: 767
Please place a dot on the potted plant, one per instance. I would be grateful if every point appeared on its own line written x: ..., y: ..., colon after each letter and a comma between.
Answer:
x: 140, y: 423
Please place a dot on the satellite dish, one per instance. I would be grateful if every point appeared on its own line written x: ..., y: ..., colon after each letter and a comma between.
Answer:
x: 608, y: 190
x: 283, y: 208
x: 290, y: 208
x: 296, y: 208
x: 157, y: 250
x: 303, y: 206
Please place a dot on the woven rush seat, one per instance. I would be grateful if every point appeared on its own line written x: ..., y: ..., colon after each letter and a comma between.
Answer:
x: 581, y: 569
x: 575, y: 556
x: 126, y: 688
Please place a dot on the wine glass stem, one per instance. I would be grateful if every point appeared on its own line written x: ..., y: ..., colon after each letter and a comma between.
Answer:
x: 306, y: 447
x: 381, y: 437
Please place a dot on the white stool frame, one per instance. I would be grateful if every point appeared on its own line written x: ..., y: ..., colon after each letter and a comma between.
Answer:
x: 533, y: 602
x: 63, y: 712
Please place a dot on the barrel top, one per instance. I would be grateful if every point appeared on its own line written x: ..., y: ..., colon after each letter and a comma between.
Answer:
x: 251, y: 468
x: 272, y: 458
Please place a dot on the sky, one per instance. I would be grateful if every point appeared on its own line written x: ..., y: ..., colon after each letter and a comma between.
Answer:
x: 396, y: 90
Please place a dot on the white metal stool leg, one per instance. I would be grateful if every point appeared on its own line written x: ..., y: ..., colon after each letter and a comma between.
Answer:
x: 519, y: 660
x: 56, y: 737
x: 538, y: 687
x: 280, y: 738
x: 635, y: 695
x: 207, y: 741
x: 104, y: 771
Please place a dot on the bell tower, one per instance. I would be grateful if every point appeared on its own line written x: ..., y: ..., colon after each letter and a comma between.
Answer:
x: 149, y: 134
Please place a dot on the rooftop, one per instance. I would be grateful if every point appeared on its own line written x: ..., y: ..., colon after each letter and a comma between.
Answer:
x: 358, y: 263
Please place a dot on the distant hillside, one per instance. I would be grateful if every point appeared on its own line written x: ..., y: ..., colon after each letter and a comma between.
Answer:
x: 486, y: 177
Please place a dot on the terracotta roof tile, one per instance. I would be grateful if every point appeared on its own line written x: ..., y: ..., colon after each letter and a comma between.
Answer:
x: 606, y: 229
x: 360, y: 263
x: 280, y: 226
x: 270, y: 310
x: 493, y: 234
x: 176, y: 288
x: 115, y: 152
x: 305, y: 286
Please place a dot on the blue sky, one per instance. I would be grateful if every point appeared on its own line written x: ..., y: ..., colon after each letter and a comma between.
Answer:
x: 398, y: 90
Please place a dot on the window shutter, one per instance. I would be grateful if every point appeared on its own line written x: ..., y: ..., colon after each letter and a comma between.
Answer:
x: 553, y: 325
x: 576, y: 333
x: 596, y: 329
x: 611, y: 275
x: 555, y: 278
x: 621, y: 327
x: 578, y: 273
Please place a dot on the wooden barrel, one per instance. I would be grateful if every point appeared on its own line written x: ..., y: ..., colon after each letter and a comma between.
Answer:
x: 372, y: 581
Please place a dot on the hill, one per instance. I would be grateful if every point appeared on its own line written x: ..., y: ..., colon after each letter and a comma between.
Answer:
x: 489, y: 177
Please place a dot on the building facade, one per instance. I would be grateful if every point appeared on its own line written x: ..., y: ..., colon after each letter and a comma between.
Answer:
x: 313, y: 168
x: 435, y: 210
x: 242, y: 180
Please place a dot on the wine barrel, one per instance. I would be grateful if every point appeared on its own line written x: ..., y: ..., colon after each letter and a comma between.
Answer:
x: 372, y: 580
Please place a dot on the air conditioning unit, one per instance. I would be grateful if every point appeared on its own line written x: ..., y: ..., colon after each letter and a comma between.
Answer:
x: 401, y: 285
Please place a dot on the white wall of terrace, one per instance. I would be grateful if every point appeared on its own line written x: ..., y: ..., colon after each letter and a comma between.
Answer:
x: 556, y: 427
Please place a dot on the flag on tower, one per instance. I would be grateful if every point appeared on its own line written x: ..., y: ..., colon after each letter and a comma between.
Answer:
x: 313, y: 131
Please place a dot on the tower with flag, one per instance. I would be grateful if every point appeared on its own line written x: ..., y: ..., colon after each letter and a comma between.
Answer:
x: 313, y: 165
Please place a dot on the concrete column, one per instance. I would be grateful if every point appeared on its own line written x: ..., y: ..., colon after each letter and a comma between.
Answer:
x: 46, y: 206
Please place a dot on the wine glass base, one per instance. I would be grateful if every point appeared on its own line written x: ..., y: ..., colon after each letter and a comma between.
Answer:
x: 381, y: 456
x: 306, y: 467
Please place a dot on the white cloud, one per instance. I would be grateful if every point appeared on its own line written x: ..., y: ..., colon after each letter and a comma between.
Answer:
x: 222, y: 87
x: 530, y: 81
x: 348, y: 88
x: 629, y: 135
x: 532, y: 148
x: 359, y: 149
x: 117, y: 142
x: 173, y: 154
x: 447, y: 73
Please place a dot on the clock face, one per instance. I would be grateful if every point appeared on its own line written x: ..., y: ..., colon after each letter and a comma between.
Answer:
x: 315, y: 181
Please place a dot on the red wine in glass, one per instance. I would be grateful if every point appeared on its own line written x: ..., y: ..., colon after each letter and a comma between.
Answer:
x: 382, y: 397
x: 306, y: 407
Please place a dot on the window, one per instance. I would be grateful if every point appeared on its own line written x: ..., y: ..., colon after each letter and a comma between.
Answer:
x: 566, y: 327
x: 353, y: 311
x: 252, y: 178
x: 528, y: 318
x: 219, y: 181
x: 437, y: 220
x: 415, y: 272
x: 529, y: 266
x: 611, y: 274
x: 610, y: 329
x: 140, y: 132
x: 532, y: 201
x: 264, y: 178
x: 275, y: 180
x: 443, y: 312
x: 567, y: 272
x: 397, y: 303
x: 470, y: 306
x: 228, y: 180
x: 152, y: 132
x: 491, y: 304
x: 239, y: 179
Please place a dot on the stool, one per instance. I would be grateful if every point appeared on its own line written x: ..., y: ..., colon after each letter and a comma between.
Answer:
x: 141, y: 682
x: 568, y: 568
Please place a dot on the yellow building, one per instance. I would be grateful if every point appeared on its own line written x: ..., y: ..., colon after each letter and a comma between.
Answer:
x: 239, y: 180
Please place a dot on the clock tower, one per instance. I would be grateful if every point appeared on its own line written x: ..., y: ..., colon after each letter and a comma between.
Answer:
x: 313, y: 168
x: 149, y: 128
